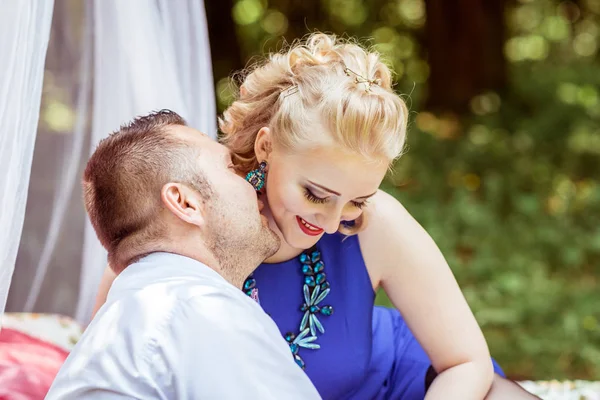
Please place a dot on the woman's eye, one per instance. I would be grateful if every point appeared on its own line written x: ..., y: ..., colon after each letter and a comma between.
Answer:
x: 312, y: 198
x: 320, y: 200
x: 359, y: 204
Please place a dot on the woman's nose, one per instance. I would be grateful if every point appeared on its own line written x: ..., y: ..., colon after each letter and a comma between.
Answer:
x: 329, y: 222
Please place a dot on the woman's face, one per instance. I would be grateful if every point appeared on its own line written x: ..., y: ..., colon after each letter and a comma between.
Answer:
x: 310, y: 192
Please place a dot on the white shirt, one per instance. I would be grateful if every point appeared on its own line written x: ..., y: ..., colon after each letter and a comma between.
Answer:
x: 172, y: 328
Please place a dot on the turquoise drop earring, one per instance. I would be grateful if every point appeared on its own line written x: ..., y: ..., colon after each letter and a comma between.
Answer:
x: 256, y: 177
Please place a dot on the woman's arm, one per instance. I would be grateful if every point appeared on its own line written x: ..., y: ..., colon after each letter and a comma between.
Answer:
x: 404, y: 260
x: 107, y: 279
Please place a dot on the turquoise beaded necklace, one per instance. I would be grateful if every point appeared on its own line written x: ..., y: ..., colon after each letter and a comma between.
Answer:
x: 315, y: 289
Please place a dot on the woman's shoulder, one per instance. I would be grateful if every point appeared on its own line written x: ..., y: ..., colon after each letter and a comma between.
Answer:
x: 385, y: 215
x: 387, y: 237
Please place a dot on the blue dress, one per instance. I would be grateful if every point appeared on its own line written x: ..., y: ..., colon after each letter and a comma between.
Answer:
x: 367, y: 351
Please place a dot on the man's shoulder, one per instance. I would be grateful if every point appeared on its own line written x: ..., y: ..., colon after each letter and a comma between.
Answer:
x: 224, y: 303
x: 170, y: 309
x: 192, y: 334
x: 189, y: 298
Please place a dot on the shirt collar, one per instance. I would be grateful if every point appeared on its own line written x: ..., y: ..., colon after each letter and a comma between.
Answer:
x: 162, y: 265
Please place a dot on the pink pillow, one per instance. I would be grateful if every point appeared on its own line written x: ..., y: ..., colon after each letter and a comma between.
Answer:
x: 27, y: 365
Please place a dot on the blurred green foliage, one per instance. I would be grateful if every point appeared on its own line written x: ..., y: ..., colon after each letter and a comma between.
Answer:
x: 511, y: 191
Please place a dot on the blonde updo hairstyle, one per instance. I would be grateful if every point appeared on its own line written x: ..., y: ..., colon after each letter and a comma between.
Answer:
x: 338, y: 83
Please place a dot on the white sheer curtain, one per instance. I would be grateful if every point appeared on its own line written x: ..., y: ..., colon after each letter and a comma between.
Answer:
x: 24, y: 33
x: 145, y: 55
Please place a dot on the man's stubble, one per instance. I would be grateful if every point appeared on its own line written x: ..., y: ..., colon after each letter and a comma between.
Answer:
x: 239, y: 242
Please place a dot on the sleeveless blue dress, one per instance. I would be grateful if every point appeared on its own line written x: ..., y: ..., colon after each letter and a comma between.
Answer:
x: 367, y: 351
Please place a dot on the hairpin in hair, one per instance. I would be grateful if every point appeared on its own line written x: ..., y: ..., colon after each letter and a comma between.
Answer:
x: 290, y: 91
x: 358, y: 78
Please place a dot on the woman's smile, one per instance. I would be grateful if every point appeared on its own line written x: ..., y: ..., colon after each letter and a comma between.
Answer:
x: 308, y: 228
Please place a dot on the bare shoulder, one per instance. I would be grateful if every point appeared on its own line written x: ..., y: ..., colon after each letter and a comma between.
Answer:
x: 383, y: 207
x: 391, y: 238
x: 388, y: 222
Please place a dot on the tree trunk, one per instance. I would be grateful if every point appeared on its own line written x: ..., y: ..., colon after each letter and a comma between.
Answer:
x: 304, y: 17
x: 224, y: 45
x: 464, y: 42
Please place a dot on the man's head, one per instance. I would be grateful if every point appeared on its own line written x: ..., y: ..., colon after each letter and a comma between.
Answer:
x: 158, y: 185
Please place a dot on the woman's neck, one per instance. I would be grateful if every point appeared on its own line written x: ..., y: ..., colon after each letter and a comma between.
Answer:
x: 285, y: 253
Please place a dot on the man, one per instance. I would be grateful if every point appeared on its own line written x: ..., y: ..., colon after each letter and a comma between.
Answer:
x: 183, y: 231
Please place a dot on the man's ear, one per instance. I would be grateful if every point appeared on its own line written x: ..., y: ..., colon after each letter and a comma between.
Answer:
x: 184, y: 202
x: 263, y: 144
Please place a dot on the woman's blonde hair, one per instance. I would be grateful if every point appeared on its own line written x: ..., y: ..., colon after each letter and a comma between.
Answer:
x: 337, y: 84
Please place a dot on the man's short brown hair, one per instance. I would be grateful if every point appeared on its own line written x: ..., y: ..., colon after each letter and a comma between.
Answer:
x: 123, y: 179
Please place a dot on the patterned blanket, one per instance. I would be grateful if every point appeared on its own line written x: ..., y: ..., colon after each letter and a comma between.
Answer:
x: 39, y: 343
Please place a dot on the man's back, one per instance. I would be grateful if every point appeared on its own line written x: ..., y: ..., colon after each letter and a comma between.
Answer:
x: 172, y: 328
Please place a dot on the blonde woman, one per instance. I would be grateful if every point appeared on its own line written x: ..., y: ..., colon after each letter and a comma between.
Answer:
x: 314, y: 130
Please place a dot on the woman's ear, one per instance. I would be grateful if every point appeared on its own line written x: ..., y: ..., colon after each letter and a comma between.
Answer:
x: 243, y: 91
x: 184, y: 202
x: 263, y: 144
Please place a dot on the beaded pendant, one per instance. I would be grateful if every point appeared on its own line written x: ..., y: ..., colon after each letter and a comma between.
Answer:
x: 315, y: 289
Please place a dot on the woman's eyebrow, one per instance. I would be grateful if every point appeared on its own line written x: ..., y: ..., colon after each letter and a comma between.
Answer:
x: 338, y: 194
x: 324, y: 188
